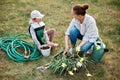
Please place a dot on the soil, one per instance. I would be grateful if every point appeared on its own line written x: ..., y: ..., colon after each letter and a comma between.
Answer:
x: 45, y: 47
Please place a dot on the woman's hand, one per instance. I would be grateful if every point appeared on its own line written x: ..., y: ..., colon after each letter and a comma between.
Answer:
x: 66, y: 51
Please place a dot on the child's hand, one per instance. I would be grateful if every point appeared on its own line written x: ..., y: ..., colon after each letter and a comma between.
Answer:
x: 40, y: 47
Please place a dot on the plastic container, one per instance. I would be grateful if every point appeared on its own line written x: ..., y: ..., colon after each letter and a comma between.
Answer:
x: 46, y: 50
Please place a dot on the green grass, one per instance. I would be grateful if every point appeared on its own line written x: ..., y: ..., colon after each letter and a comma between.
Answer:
x: 14, y: 17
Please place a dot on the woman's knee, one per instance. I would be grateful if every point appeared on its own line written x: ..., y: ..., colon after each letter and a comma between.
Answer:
x: 83, y: 49
x: 86, y: 47
x: 73, y: 31
x: 73, y: 35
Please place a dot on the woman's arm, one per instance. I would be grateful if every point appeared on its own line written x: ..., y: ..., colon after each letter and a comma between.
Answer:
x: 91, y: 32
x: 67, y: 36
x: 90, y: 35
x: 83, y: 42
x: 66, y: 42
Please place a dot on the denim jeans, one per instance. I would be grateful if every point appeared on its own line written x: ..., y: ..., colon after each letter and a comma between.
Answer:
x: 74, y: 35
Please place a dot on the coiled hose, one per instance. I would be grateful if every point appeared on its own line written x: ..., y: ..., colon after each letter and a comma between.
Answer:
x: 19, y: 50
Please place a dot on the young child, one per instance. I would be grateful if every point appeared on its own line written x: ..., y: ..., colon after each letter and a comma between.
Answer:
x: 37, y: 30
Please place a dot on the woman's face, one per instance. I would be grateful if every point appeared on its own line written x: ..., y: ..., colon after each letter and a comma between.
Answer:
x: 75, y: 15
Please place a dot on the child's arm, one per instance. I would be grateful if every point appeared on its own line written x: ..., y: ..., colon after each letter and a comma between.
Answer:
x: 32, y: 32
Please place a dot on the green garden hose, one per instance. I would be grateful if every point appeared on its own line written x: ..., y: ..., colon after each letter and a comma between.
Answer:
x: 19, y: 50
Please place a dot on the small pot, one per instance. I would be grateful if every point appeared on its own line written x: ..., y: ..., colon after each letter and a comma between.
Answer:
x: 46, y: 50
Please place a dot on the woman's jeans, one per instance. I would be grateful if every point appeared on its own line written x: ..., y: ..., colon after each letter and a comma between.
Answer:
x: 74, y: 35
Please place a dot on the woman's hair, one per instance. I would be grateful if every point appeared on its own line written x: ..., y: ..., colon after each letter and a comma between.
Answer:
x: 80, y: 9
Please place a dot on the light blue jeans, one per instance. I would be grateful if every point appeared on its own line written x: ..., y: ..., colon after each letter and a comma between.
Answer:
x: 74, y: 35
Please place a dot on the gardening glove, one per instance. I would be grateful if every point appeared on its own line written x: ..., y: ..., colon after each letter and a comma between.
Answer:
x: 72, y: 50
x: 78, y: 48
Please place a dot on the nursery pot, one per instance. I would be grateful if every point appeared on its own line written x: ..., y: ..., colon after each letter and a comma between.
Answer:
x: 46, y: 50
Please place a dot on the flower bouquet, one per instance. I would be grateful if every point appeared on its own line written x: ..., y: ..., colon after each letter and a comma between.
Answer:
x: 69, y: 63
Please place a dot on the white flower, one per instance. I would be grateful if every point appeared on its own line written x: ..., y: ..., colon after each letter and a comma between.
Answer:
x: 71, y: 73
x: 79, y: 64
x: 75, y: 69
x: 82, y: 59
x: 89, y: 75
x: 64, y: 65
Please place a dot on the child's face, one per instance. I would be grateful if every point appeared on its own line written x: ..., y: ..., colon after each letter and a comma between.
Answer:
x: 38, y: 20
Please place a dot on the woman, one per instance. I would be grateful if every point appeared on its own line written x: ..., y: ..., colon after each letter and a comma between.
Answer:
x: 83, y: 27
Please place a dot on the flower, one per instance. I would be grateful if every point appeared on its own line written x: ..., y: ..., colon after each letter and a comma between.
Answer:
x: 98, y: 47
x: 64, y: 65
x: 75, y: 69
x: 89, y: 75
x: 78, y: 48
x: 82, y: 59
x: 79, y: 64
x: 71, y: 73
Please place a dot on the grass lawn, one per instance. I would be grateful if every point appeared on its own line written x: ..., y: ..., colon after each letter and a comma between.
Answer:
x: 14, y: 17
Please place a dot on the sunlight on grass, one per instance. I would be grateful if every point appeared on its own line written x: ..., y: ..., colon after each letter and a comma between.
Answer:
x: 14, y: 18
